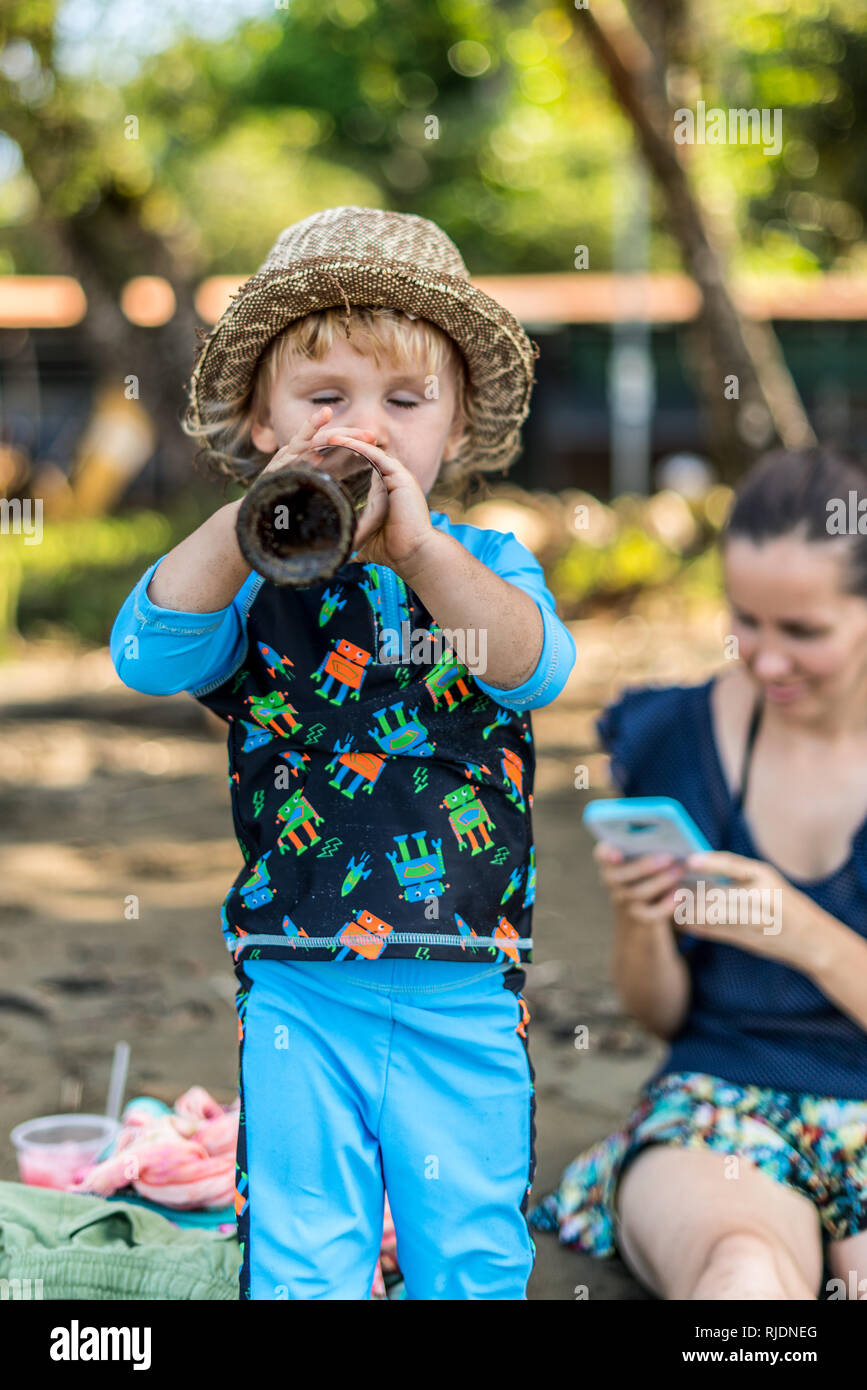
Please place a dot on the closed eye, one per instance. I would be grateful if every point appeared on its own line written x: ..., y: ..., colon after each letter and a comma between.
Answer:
x: 804, y: 633
x: 800, y: 631
x: 330, y: 400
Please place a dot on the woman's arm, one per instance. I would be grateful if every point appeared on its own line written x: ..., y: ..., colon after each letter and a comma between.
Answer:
x: 651, y: 975
x: 840, y: 967
x: 801, y: 934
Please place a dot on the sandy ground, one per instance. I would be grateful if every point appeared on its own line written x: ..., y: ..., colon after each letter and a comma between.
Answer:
x: 107, y: 793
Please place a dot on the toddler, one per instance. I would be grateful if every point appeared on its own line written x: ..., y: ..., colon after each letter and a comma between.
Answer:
x: 381, y: 795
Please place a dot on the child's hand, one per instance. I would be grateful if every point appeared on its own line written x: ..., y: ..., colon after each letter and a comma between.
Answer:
x: 407, y: 526
x: 314, y: 434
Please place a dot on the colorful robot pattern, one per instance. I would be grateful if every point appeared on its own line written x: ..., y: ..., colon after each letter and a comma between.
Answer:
x: 466, y: 816
x: 390, y: 741
x: 257, y: 890
x: 421, y: 875
x: 269, y: 710
x: 365, y: 935
x: 297, y: 814
x: 409, y: 736
x: 364, y: 768
x: 345, y: 665
x: 446, y: 677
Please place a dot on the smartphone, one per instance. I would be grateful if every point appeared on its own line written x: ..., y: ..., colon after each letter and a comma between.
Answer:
x: 638, y: 825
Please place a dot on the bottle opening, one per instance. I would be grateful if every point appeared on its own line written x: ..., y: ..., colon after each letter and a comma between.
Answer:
x: 306, y: 520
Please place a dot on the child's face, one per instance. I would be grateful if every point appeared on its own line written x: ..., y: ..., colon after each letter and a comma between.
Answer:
x: 418, y: 432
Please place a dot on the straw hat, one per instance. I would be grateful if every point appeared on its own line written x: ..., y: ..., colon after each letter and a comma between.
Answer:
x: 370, y: 257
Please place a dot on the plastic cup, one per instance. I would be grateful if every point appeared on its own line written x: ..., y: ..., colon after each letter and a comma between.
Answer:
x: 54, y: 1150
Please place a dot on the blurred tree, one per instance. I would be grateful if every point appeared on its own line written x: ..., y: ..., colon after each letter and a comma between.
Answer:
x: 492, y: 119
x: 90, y: 220
x: 730, y: 348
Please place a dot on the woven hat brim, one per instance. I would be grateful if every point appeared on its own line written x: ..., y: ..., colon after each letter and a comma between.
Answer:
x: 499, y: 354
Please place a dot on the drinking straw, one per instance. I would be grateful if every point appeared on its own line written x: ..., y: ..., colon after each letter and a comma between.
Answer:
x: 117, y: 1082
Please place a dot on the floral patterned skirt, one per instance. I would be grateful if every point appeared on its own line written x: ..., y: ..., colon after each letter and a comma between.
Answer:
x: 816, y: 1145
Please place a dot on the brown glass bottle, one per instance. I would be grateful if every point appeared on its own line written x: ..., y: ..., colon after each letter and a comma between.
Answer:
x: 299, y: 524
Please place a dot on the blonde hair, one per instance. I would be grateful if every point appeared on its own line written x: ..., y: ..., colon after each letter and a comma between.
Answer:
x: 226, y: 446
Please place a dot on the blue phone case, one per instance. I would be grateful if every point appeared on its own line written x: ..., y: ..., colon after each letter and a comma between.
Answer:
x: 639, y: 825
x: 649, y: 826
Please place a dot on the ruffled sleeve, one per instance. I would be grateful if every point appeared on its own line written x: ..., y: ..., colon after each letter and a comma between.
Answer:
x: 859, y: 858
x: 636, y: 731
x: 653, y: 739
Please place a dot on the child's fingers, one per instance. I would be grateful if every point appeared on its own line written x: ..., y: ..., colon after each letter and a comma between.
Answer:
x: 328, y: 432
x: 310, y: 437
x: 311, y: 427
x: 385, y: 464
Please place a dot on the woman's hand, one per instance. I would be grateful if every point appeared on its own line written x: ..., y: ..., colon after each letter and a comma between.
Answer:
x: 760, y: 911
x: 643, y: 889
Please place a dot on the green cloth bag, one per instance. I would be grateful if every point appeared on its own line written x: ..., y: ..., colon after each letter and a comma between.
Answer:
x: 84, y: 1247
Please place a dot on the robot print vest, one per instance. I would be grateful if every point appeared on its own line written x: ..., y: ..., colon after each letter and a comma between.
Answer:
x: 381, y: 800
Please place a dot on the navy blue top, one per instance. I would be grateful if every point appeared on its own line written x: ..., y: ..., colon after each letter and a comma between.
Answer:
x: 752, y: 1021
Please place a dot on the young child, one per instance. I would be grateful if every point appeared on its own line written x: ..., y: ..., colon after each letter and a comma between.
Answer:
x: 381, y: 796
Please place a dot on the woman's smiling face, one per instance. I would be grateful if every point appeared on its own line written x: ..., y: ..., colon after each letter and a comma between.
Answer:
x: 416, y: 430
x: 800, y: 634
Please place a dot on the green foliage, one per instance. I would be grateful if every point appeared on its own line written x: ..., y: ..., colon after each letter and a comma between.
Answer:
x: 330, y: 101
x: 634, y: 559
x: 805, y: 208
x: 75, y: 580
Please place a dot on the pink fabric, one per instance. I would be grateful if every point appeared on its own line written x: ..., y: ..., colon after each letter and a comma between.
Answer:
x: 186, y: 1159
x: 387, y: 1262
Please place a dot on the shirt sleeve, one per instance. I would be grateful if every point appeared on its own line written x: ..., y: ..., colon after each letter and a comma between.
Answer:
x: 639, y: 731
x: 162, y: 651
x: 503, y: 553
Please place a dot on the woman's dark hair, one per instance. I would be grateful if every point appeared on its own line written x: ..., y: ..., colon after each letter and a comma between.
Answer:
x: 816, y: 491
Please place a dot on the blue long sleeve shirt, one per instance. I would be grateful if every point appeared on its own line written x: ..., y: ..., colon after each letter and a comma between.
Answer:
x: 177, y: 651
x: 381, y: 796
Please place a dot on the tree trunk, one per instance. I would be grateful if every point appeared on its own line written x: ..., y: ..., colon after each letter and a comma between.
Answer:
x: 767, y: 407
x: 161, y: 358
x: 102, y: 247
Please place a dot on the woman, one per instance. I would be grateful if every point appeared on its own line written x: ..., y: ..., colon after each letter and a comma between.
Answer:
x: 745, y: 1160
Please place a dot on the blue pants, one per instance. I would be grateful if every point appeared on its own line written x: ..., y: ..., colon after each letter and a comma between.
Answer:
x: 364, y: 1076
